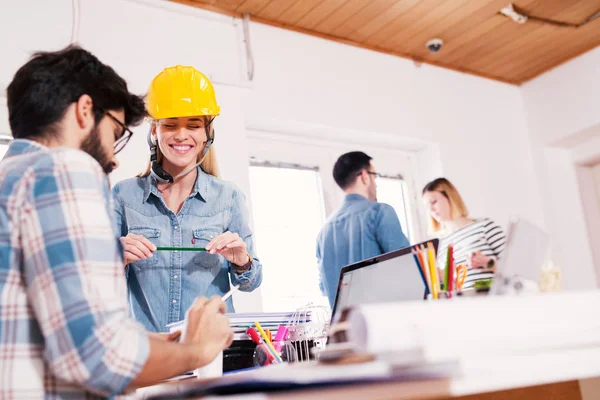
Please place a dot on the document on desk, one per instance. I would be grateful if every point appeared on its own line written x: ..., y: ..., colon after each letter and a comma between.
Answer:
x: 479, y: 326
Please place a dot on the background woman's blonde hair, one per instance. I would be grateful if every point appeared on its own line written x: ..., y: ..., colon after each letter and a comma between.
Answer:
x: 458, y: 208
x: 208, y: 165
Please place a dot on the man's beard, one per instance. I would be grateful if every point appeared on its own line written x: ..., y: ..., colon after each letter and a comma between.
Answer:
x: 93, y: 147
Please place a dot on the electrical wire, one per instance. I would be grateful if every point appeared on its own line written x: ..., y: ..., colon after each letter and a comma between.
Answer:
x: 249, y: 57
x: 76, y: 17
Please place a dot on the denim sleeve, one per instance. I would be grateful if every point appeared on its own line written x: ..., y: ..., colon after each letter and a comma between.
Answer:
x: 120, y: 221
x: 388, y: 230
x: 74, y: 274
x: 239, y: 224
x: 322, y: 282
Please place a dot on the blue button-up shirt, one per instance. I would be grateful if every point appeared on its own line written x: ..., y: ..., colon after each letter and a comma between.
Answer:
x: 65, y: 332
x: 360, y: 229
x: 164, y: 286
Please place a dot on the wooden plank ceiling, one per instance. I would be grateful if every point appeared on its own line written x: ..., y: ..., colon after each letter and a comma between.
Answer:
x: 478, y: 40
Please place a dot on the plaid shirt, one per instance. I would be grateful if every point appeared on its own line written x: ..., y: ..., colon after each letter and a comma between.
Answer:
x: 64, y: 327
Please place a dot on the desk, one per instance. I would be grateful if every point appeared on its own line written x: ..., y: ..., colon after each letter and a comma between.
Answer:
x: 559, y: 371
x: 555, y: 363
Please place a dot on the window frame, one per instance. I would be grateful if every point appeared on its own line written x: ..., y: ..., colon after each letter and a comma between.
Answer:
x: 390, y: 161
x: 307, y: 147
x: 4, y: 141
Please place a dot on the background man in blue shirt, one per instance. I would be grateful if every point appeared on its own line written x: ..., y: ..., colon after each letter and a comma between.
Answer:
x: 361, y: 228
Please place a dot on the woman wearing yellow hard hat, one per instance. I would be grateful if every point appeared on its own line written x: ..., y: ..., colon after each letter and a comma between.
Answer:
x: 198, y: 223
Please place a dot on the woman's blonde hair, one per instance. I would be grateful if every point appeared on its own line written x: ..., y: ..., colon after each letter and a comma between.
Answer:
x: 209, y: 165
x: 458, y: 208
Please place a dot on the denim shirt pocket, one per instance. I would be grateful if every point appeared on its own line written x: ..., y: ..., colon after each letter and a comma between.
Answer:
x: 203, y: 259
x: 153, y: 235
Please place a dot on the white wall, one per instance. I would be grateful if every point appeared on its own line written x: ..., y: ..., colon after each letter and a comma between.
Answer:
x: 478, y: 124
x: 564, y: 125
x: 564, y: 100
x: 588, y: 179
x: 596, y: 170
x: 475, y: 129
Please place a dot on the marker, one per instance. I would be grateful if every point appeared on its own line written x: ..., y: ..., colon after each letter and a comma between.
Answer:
x: 266, y: 340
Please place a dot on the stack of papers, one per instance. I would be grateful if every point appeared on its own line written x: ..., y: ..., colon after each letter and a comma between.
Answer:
x: 240, y: 322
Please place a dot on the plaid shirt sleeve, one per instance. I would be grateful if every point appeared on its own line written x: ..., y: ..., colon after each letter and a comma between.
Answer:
x: 74, y: 275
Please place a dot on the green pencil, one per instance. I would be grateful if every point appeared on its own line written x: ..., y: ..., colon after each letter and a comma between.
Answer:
x: 180, y: 249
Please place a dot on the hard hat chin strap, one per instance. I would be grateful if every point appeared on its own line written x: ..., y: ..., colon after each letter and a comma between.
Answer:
x: 157, y: 171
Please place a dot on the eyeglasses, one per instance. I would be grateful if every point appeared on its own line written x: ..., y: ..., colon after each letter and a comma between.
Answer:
x: 376, y: 174
x: 125, y: 134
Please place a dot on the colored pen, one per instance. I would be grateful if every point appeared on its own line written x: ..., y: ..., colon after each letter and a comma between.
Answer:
x: 423, y: 258
x: 435, y: 281
x: 451, y: 271
x: 266, y: 340
x: 447, y: 270
x: 251, y: 332
x: 180, y: 249
x: 421, y: 271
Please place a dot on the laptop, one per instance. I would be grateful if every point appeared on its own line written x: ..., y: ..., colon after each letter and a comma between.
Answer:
x: 389, y: 277
x: 524, y: 255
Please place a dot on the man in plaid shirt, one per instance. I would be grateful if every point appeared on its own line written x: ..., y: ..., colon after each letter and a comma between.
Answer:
x: 64, y: 327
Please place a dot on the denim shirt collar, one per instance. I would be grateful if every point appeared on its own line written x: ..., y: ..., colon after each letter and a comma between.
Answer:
x: 354, y: 197
x: 23, y: 146
x: 200, y: 187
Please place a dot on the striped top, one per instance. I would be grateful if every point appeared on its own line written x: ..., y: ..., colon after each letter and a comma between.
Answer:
x: 482, y: 235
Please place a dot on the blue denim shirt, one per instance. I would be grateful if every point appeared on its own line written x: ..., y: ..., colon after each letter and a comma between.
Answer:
x: 360, y: 229
x: 163, y: 287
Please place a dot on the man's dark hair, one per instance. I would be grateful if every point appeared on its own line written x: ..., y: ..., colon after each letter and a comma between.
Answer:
x: 43, y: 89
x: 348, y: 166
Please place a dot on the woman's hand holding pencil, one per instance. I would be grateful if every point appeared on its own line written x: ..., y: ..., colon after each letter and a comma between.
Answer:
x: 136, y: 247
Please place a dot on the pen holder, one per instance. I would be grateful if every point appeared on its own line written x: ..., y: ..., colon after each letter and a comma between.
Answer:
x: 442, y: 295
x: 263, y: 355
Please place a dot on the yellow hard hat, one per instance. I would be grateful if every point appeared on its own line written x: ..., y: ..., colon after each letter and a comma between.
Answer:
x: 181, y: 92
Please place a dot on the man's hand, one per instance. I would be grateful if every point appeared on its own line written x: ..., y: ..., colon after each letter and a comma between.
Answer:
x: 207, y: 330
x: 167, y: 337
x: 136, y: 247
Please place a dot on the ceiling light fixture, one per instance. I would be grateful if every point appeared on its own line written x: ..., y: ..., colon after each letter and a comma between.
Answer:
x: 509, y: 11
x: 513, y: 13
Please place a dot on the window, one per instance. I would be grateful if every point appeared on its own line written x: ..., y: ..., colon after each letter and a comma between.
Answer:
x: 286, y: 225
x: 292, y: 191
x: 392, y: 190
x: 4, y: 141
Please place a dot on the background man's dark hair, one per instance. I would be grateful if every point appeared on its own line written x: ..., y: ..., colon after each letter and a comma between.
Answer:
x: 348, y: 166
x: 43, y: 89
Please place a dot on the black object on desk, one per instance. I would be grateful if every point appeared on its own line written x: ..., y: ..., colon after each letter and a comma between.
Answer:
x: 240, y: 355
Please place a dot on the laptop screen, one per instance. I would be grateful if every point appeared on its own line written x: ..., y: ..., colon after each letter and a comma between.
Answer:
x: 389, y: 277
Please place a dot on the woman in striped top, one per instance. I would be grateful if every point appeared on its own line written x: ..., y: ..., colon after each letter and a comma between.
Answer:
x: 478, y: 243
